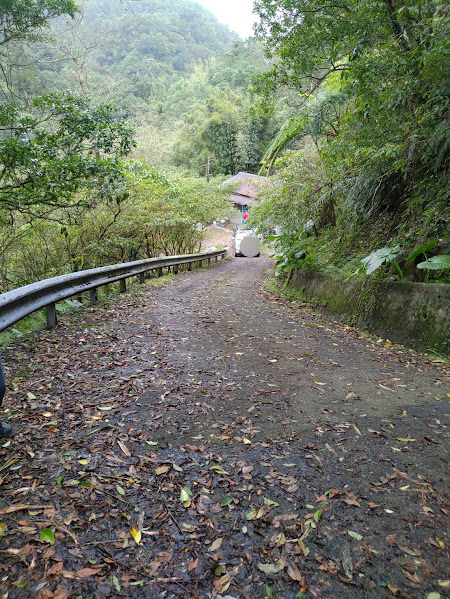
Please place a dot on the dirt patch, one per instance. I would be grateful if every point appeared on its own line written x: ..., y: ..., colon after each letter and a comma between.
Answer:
x: 251, y: 447
x: 218, y: 236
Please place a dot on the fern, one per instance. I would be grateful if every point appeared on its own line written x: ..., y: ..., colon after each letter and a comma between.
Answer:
x: 319, y: 116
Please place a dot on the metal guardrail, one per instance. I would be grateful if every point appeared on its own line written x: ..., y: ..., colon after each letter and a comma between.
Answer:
x: 21, y: 302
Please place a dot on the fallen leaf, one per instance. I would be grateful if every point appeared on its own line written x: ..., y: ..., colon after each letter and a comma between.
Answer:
x: 394, y: 590
x: 347, y: 563
x: 293, y: 572
x: 352, y: 502
x: 216, y: 545
x: 85, y: 572
x: 185, y: 497
x: 22, y: 506
x: 137, y: 535
x: 270, y: 568
x: 47, y: 536
x: 193, y: 564
x: 218, y: 469
x: 162, y: 470
x: 55, y: 569
x: 124, y: 448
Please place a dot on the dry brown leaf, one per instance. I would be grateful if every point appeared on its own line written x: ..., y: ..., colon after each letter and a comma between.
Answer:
x: 85, y: 572
x: 216, y: 545
x: 270, y: 569
x: 23, y: 551
x: 55, y: 569
x: 334, y: 492
x: 294, y: 572
x: 352, y: 502
x: 22, y: 506
x: 411, y: 577
x: 124, y: 448
x: 162, y: 469
x: 193, y: 564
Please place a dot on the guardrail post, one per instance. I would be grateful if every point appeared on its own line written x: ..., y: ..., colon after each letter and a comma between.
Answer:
x: 200, y: 263
x: 93, y: 295
x: 142, y: 278
x: 175, y: 269
x: 122, y: 285
x: 209, y: 261
x: 216, y: 259
x: 159, y: 272
x: 50, y: 315
x: 189, y: 266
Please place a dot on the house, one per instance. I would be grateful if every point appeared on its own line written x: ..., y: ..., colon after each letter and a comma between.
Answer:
x: 246, y: 189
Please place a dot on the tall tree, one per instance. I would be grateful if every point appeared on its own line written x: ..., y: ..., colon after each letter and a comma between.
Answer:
x: 388, y: 60
x: 24, y: 20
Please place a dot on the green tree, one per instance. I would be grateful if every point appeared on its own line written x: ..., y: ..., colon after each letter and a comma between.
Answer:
x: 64, y: 148
x: 372, y: 89
x: 24, y: 19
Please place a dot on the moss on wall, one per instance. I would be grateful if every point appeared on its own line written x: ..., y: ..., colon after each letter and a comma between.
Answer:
x: 415, y: 314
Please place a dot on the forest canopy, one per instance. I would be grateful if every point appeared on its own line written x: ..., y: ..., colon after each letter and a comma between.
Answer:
x: 110, y: 111
x: 71, y: 197
x: 369, y: 82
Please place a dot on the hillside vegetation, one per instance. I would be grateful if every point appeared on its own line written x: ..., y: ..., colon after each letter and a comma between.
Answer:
x: 110, y: 111
x: 364, y: 153
x: 96, y: 98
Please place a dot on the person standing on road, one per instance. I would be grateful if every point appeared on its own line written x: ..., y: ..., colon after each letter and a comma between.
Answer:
x: 5, y: 429
x: 246, y: 215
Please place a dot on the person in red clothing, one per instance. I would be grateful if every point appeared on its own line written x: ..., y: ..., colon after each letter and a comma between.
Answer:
x: 245, y: 216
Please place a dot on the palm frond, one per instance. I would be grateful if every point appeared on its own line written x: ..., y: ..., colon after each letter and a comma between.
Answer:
x: 291, y: 129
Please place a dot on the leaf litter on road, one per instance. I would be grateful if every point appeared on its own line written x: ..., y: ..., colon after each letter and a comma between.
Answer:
x: 161, y: 467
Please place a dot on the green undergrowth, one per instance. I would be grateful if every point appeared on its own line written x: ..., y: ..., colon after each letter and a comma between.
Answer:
x: 339, y: 251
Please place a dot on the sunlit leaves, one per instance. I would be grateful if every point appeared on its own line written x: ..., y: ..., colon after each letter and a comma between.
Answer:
x: 137, y: 535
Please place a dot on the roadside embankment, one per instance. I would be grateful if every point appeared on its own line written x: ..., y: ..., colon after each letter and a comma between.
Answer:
x: 414, y: 314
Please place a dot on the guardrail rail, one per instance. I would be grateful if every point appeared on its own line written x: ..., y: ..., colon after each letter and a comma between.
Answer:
x: 21, y: 302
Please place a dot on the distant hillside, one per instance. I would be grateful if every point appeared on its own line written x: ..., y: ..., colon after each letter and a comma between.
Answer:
x: 177, y: 33
x: 132, y: 51
x: 178, y: 76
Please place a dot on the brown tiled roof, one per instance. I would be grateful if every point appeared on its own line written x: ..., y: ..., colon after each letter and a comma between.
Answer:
x: 244, y: 200
x: 251, y: 184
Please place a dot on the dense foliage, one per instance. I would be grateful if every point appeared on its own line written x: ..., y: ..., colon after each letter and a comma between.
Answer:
x: 358, y: 93
x: 158, y: 216
x: 372, y: 91
x: 54, y: 152
x: 69, y: 197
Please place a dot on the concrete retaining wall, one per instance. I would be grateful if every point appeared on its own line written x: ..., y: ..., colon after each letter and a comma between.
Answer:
x: 414, y: 314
